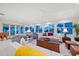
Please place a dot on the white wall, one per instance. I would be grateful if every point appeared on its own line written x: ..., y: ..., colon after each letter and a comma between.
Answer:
x: 27, y: 14
x: 0, y: 27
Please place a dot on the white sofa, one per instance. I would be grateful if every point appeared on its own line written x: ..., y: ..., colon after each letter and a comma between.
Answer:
x: 8, y: 48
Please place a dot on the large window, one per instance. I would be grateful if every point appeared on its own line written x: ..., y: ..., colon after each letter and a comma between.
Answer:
x: 60, y: 28
x: 39, y: 28
x: 26, y: 28
x: 46, y: 28
x: 17, y: 29
x: 21, y: 30
x: 6, y: 28
x: 49, y: 28
x: 12, y: 29
x: 31, y: 28
x: 67, y: 25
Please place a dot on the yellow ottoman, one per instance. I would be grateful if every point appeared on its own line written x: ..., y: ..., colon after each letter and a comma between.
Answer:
x: 28, y: 51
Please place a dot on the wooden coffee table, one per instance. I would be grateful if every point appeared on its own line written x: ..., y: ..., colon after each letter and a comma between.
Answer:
x: 52, y: 46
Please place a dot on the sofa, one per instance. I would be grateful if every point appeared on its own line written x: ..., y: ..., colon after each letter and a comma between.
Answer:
x: 68, y: 43
x: 17, y: 38
x: 74, y: 49
x: 77, y: 39
x: 3, y: 35
x: 8, y: 48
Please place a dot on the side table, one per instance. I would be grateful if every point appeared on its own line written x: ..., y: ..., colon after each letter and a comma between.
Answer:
x: 66, y: 39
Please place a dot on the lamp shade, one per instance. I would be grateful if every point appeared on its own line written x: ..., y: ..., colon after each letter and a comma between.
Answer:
x: 64, y: 30
x: 28, y: 31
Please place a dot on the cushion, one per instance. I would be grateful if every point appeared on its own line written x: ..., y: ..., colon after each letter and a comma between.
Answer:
x: 22, y: 41
x: 16, y: 38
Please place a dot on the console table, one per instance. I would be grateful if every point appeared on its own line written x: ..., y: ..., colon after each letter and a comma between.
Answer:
x: 49, y: 45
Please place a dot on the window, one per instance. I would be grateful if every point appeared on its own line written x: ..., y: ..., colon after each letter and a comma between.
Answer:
x: 46, y: 28
x: 17, y: 29
x: 60, y: 25
x: 31, y: 28
x: 21, y: 30
x: 12, y: 29
x: 60, y: 28
x: 6, y: 28
x: 69, y: 24
x: 69, y: 27
x: 39, y: 28
x: 26, y: 28
x: 49, y: 28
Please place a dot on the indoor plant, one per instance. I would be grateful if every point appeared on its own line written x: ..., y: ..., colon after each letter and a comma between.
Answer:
x: 76, y: 27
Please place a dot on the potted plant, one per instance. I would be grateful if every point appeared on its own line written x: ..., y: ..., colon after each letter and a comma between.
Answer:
x: 76, y: 27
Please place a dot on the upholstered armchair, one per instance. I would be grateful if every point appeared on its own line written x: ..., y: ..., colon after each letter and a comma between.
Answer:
x: 3, y: 35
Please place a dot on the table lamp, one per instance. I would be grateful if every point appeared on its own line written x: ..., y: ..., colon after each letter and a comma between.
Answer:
x: 28, y: 31
x: 65, y: 32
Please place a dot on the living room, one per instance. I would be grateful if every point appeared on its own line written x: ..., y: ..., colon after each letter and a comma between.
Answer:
x: 46, y: 29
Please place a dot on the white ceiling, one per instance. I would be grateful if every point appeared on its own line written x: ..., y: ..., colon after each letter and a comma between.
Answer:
x: 27, y: 12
